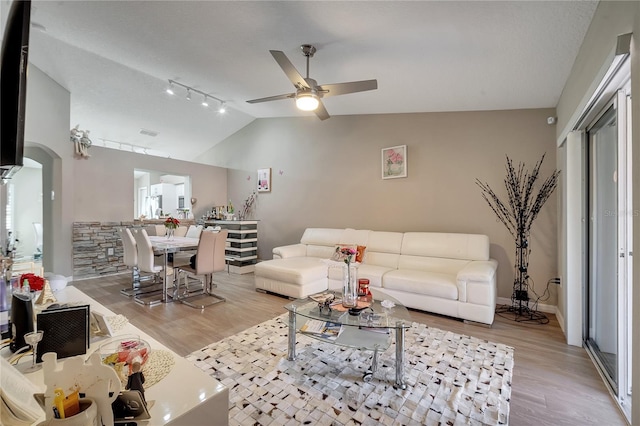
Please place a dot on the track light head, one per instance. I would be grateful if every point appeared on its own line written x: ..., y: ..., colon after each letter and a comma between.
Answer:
x: 223, y: 108
x: 169, y: 88
x: 205, y: 103
x: 188, y: 94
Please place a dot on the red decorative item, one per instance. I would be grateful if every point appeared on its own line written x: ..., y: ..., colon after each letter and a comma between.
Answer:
x: 171, y: 223
x: 36, y: 283
x: 363, y: 287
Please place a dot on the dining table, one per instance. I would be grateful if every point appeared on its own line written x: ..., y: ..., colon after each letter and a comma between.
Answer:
x: 163, y: 245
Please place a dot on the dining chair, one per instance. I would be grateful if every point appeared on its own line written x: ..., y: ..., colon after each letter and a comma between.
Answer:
x: 146, y: 263
x: 151, y: 230
x: 209, y: 259
x: 130, y: 259
x: 180, y: 231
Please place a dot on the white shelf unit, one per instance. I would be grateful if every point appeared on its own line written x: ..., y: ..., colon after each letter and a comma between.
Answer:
x: 242, y: 244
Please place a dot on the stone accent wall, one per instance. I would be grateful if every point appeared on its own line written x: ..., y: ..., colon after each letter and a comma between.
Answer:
x: 91, y: 244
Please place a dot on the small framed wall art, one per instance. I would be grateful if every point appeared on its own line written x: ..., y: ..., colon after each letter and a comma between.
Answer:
x: 264, y: 180
x: 394, y: 162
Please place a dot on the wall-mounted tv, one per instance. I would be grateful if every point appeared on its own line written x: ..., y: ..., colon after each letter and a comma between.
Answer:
x: 13, y: 86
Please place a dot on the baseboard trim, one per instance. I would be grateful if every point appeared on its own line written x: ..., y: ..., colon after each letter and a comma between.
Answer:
x: 549, y: 309
x: 560, y: 319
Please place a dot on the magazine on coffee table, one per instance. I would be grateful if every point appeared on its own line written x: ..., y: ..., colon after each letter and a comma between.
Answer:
x: 376, y: 322
x: 323, y: 329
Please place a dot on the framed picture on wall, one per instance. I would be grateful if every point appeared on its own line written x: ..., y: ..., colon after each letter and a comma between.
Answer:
x: 394, y: 162
x: 264, y: 180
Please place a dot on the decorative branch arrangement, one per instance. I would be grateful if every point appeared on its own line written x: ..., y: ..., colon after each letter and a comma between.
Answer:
x: 517, y: 214
x: 247, y: 206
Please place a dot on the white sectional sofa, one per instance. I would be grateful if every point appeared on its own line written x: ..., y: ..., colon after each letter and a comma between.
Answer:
x: 445, y: 273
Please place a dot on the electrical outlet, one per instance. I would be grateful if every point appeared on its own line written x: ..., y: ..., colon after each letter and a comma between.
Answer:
x: 110, y: 251
x: 557, y: 280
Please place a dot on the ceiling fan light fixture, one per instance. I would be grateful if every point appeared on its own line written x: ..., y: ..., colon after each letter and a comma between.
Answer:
x: 307, y: 101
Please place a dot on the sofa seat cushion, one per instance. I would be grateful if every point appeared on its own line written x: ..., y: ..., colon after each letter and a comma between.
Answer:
x: 296, y: 270
x: 422, y: 282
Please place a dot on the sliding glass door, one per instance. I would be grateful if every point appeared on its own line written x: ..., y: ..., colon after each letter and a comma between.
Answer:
x: 603, y: 243
x: 607, y: 333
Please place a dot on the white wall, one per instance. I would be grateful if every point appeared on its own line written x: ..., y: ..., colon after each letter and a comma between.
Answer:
x: 104, y: 183
x: 328, y: 174
x: 47, y: 142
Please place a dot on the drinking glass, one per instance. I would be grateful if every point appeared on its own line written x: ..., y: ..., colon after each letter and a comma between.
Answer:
x: 32, y: 340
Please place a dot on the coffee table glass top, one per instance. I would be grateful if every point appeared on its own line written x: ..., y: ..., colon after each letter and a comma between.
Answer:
x: 384, y: 312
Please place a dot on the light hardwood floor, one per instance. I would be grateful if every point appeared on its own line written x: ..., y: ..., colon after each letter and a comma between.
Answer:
x: 553, y: 383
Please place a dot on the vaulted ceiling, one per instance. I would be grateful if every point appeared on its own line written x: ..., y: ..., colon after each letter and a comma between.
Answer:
x: 115, y: 58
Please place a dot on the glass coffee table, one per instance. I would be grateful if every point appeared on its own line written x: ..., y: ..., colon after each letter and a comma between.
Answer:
x: 367, y: 328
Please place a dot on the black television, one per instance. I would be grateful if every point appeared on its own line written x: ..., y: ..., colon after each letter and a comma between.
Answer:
x: 13, y: 87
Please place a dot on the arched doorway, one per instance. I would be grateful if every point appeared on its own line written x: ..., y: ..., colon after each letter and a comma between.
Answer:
x: 23, y: 214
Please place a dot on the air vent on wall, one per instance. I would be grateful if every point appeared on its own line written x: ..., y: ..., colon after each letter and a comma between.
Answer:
x: 148, y: 132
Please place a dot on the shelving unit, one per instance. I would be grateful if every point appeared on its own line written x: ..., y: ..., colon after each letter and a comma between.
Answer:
x: 242, y: 244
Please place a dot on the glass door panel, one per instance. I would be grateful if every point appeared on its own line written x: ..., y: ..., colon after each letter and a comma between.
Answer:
x: 602, y: 293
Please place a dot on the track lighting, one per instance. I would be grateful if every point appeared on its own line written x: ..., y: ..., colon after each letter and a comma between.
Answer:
x: 190, y: 90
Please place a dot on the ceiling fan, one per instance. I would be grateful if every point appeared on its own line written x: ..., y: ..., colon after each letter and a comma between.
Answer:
x: 308, y: 93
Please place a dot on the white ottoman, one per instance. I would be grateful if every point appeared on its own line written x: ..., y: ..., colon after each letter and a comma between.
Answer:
x: 295, y: 277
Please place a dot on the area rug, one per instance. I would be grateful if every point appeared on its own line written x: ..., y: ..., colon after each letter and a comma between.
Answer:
x: 451, y: 379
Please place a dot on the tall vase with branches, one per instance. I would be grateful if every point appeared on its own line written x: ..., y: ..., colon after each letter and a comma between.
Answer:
x: 517, y: 213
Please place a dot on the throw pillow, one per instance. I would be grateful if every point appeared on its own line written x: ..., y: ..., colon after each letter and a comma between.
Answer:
x: 337, y: 253
x: 339, y: 257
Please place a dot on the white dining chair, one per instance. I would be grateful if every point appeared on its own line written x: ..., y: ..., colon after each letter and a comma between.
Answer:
x: 146, y: 263
x: 209, y: 259
x: 130, y: 259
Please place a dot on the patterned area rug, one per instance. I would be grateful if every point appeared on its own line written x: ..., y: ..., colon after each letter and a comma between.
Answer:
x: 451, y: 379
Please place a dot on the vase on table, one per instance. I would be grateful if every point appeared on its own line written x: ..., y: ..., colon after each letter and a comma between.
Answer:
x: 170, y: 233
x: 349, y: 286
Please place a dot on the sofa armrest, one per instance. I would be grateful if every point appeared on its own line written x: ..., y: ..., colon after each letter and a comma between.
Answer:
x: 293, y: 250
x: 478, y: 272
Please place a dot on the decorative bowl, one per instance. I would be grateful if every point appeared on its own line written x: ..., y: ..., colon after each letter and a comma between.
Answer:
x: 122, y: 352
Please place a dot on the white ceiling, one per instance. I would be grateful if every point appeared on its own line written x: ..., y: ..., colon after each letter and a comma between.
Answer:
x: 115, y: 59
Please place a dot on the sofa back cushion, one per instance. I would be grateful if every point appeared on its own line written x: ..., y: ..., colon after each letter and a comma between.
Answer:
x: 446, y: 245
x: 383, y: 249
x: 359, y: 237
x: 321, y: 242
x: 432, y: 264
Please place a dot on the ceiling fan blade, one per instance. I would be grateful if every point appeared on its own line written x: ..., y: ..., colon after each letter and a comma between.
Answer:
x: 321, y: 111
x: 273, y: 98
x: 288, y: 68
x: 344, y: 88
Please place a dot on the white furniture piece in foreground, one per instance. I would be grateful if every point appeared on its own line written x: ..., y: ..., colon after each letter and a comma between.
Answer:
x: 445, y: 273
x: 186, y: 396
